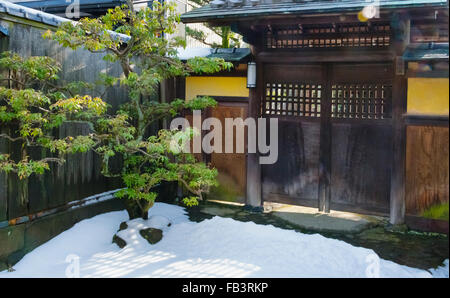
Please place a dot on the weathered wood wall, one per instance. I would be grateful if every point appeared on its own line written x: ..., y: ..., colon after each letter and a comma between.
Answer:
x: 80, y: 176
x: 360, y: 172
x: 295, y: 174
x: 427, y: 168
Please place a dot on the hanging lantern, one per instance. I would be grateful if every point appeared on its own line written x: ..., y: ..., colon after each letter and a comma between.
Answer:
x: 251, y: 75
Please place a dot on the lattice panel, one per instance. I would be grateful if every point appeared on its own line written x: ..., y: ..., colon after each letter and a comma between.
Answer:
x: 360, y: 35
x: 361, y: 101
x: 293, y: 99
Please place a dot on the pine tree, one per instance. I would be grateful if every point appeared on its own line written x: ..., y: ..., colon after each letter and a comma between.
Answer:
x: 229, y: 39
x: 146, y: 59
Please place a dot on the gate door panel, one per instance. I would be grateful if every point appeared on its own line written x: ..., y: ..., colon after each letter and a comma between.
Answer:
x: 361, y: 100
x: 294, y: 94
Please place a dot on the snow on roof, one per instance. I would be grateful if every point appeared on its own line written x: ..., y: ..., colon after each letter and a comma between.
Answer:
x: 53, y: 20
x: 41, y: 17
x: 230, y: 54
x: 188, y: 53
x: 86, y: 7
x: 30, y: 14
x: 230, y: 10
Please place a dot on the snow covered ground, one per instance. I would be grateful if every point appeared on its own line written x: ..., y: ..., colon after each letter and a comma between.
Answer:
x: 219, y: 247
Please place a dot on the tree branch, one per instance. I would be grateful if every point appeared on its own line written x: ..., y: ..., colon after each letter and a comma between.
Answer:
x: 3, y: 135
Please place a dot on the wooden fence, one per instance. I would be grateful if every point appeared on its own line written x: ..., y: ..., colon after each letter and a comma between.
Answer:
x: 80, y: 176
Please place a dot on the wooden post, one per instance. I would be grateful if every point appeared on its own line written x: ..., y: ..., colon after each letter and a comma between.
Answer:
x: 325, y: 147
x: 254, y: 193
x: 401, y: 27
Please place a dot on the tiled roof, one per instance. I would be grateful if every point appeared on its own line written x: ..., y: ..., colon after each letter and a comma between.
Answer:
x: 428, y: 51
x: 30, y: 14
x: 230, y: 55
x: 59, y: 6
x: 237, y: 9
x: 41, y: 17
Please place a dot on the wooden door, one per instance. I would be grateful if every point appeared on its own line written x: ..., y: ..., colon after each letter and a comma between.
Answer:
x: 360, y: 96
x: 231, y: 167
x: 294, y: 94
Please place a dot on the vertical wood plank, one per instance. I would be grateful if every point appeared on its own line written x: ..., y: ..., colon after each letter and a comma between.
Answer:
x: 325, y: 145
x: 253, y: 192
x: 427, y: 168
x: 295, y: 173
x: 401, y: 27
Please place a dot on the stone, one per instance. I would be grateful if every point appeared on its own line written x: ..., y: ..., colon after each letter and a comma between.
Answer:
x: 218, y: 211
x: 254, y: 209
x: 311, y: 219
x: 123, y: 226
x: 152, y: 235
x: 119, y: 241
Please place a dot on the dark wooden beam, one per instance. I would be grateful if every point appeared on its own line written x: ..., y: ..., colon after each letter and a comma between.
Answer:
x: 254, y: 187
x: 325, y: 147
x: 426, y: 120
x: 262, y: 21
x: 230, y: 99
x: 427, y: 74
x: 325, y: 55
x: 401, y: 27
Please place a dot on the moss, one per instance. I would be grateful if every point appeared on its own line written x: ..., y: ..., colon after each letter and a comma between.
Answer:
x: 439, y: 211
x: 225, y: 193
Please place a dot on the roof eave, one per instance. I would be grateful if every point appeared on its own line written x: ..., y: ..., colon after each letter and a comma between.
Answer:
x: 192, y: 17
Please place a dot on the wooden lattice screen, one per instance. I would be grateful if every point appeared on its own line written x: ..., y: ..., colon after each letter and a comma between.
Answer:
x: 348, y: 100
x: 293, y: 99
x: 358, y: 35
x: 361, y: 101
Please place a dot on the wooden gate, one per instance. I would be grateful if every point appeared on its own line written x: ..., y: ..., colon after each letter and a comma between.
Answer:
x: 335, y: 116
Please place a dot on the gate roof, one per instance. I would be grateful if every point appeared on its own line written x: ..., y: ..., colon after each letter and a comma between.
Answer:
x: 227, y: 10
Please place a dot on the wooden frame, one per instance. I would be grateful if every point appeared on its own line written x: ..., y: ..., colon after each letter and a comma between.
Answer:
x: 426, y: 120
x: 390, y: 129
x: 333, y: 55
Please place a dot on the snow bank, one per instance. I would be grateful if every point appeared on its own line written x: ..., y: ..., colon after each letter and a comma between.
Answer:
x: 219, y: 247
x: 188, y: 53
x: 441, y: 271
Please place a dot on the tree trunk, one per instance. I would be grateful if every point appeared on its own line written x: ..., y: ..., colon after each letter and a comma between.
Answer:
x: 226, y: 31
